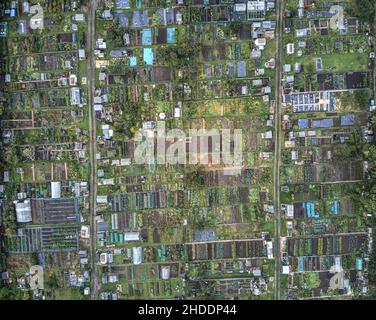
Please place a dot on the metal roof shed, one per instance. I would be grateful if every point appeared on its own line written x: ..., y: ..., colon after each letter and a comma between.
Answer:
x: 131, y: 236
x: 102, y: 226
x: 347, y: 120
x: 242, y: 72
x: 23, y: 211
x: 55, y: 189
x: 137, y: 255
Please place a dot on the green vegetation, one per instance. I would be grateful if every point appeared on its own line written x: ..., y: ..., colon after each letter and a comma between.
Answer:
x: 202, y: 233
x: 364, y: 10
x: 371, y: 294
x: 11, y: 292
x: 53, y: 281
x: 366, y: 194
x: 68, y: 294
x: 180, y: 56
x: 196, y: 178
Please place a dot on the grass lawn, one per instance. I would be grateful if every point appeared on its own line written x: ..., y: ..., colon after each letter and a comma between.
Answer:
x: 268, y: 227
x: 68, y: 294
x: 347, y: 62
x: 283, y: 228
x: 343, y: 62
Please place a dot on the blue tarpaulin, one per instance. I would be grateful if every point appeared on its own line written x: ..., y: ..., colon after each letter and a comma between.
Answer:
x: 140, y: 18
x: 170, y: 35
x: 323, y: 123
x: 335, y: 207
x: 122, y: 4
x: 347, y: 120
x: 359, y: 264
x: 303, y: 123
x: 148, y: 56
x: 331, y: 104
x: 170, y: 16
x: 310, y: 209
x: 300, y: 264
x: 242, y: 71
x: 123, y: 20
x: 147, y: 37
x: 133, y: 61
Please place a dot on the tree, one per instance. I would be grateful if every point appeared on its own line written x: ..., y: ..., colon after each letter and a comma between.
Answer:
x: 371, y: 295
x: 190, y: 109
x: 362, y: 97
x: 182, y: 55
x: 10, y: 223
x: 53, y: 281
x: 235, y: 28
x: 364, y: 10
x: 344, y: 152
x: 131, y: 118
x: 372, y: 262
x: 13, y: 293
x: 196, y: 178
x: 310, y: 68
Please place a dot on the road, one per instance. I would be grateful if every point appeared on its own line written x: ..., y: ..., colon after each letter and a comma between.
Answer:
x: 92, y: 145
x: 277, y: 148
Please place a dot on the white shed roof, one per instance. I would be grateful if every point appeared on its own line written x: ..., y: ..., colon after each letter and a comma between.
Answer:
x: 55, y: 189
x: 137, y: 255
x: 131, y: 236
x: 23, y: 211
x: 166, y: 271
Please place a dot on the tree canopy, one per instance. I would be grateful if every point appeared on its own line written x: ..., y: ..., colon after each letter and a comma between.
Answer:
x: 13, y: 293
x: 364, y: 10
